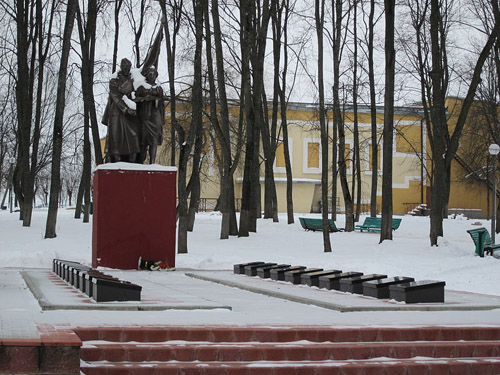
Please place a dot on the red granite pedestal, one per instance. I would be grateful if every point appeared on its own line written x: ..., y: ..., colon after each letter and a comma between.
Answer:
x: 134, y: 215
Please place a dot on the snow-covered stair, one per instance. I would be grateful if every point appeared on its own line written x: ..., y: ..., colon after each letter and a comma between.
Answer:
x: 290, y: 350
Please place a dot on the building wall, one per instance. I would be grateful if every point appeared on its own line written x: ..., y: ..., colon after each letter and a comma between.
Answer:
x: 411, y: 153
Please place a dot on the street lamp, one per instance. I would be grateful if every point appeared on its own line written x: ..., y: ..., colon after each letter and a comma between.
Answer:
x: 494, y: 149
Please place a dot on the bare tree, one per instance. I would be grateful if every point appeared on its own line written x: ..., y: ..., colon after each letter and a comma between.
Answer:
x: 186, y: 141
x: 173, y: 18
x: 280, y: 34
x: 390, y: 68
x: 319, y: 16
x: 55, y: 184
x: 254, y: 25
x: 116, y: 13
x: 373, y: 113
x: 87, y: 20
x: 431, y: 21
x: 222, y: 126
x: 34, y: 21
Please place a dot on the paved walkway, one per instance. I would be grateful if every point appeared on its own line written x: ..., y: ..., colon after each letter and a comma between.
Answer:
x: 34, y: 298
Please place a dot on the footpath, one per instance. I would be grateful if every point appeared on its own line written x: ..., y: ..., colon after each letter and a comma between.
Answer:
x: 47, y: 326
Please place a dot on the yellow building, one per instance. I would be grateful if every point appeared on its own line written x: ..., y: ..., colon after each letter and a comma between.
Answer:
x: 411, y: 162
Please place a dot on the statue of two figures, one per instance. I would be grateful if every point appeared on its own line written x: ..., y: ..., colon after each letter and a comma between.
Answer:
x: 135, y: 115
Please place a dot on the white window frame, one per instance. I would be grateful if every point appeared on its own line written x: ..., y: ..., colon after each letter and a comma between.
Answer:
x: 368, y: 167
x: 349, y: 142
x: 305, y: 156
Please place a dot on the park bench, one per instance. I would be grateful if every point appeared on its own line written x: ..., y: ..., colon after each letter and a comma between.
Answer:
x: 374, y: 224
x: 315, y: 224
x: 483, y: 241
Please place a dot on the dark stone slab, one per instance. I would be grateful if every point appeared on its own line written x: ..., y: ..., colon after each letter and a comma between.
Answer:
x: 312, y: 278
x: 240, y: 268
x: 380, y: 288
x: 355, y: 284
x: 107, y: 290
x: 279, y: 274
x: 265, y: 272
x: 294, y: 276
x: 423, y: 291
x: 251, y: 270
x: 333, y: 281
x: 76, y: 277
x: 90, y: 276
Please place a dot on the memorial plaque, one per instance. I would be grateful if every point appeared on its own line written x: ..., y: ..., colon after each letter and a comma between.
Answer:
x: 240, y: 268
x: 333, y: 281
x: 424, y: 291
x: 355, y: 284
x: 279, y: 274
x: 251, y: 270
x: 293, y: 276
x: 380, y: 288
x: 265, y: 272
x: 312, y: 279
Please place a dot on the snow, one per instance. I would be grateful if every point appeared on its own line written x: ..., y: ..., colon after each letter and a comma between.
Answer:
x: 139, y: 80
x: 123, y: 166
x: 408, y: 254
x: 130, y: 103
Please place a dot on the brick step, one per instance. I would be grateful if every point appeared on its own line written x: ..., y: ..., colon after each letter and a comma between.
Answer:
x: 465, y: 366
x: 247, y: 352
x: 286, y: 334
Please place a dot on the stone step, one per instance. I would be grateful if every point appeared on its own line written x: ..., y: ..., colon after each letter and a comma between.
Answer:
x: 464, y: 366
x: 300, y: 351
x: 285, y: 334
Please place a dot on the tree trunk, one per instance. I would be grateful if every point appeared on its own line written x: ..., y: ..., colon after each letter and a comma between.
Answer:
x: 194, y: 186
x: 373, y: 112
x: 246, y: 16
x: 229, y: 226
x: 171, y: 42
x: 55, y: 183
x: 196, y: 121
x: 87, y: 33
x: 79, y: 198
x: 357, y: 159
x: 118, y: 5
x: 390, y: 63
x: 87, y: 170
x: 339, y: 169
x: 24, y: 91
x: 283, y: 109
x: 319, y: 13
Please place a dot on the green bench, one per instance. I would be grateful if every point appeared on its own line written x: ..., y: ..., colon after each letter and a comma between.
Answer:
x: 374, y: 224
x: 483, y: 241
x: 317, y: 224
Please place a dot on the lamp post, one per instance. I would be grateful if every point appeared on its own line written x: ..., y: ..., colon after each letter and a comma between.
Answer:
x: 494, y: 149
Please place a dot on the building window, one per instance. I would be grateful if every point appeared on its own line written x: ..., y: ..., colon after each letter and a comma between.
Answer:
x: 348, y: 155
x: 279, y: 160
x: 369, y: 158
x: 280, y: 155
x: 408, y: 139
x: 312, y: 155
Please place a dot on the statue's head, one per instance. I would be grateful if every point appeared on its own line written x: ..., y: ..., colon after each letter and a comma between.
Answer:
x: 151, y: 74
x: 125, y: 66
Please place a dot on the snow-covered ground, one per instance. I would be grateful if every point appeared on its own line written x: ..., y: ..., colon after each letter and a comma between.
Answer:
x: 408, y: 254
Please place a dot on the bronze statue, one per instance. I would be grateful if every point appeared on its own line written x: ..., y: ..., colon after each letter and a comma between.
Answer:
x: 151, y: 110
x: 120, y: 116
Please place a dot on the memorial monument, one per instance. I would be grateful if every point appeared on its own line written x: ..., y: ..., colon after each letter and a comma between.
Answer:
x: 134, y: 205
